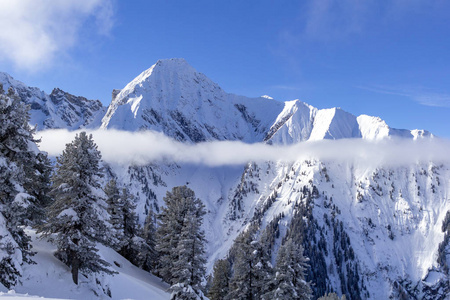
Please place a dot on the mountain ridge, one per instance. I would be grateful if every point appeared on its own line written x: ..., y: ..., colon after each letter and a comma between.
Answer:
x: 173, y: 98
x: 58, y: 109
x: 174, y: 87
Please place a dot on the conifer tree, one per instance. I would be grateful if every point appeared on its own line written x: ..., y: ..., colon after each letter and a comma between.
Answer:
x: 129, y: 223
x: 32, y: 167
x: 135, y: 244
x: 180, y: 242
x: 242, y: 284
x: 252, y: 269
x: 289, y: 281
x: 189, y: 266
x: 19, y: 158
x: 76, y: 217
x: 114, y: 209
x: 122, y: 218
x: 221, y: 279
x: 149, y: 253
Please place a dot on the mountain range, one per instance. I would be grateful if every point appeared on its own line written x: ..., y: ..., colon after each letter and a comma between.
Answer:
x: 373, y: 230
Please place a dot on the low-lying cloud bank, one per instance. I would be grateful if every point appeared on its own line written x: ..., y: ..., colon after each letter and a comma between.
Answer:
x: 139, y: 148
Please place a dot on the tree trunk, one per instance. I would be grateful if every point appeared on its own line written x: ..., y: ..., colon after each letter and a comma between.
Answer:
x: 75, y: 267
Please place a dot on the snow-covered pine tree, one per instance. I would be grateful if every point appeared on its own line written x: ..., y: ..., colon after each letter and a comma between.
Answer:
x: 76, y: 218
x: 18, y: 146
x: 134, y: 246
x: 170, y: 222
x: 251, y: 267
x: 263, y: 268
x: 179, y: 229
x: 242, y: 280
x: 189, y: 268
x: 248, y: 270
x: 149, y: 253
x: 129, y: 224
x: 19, y: 158
x: 128, y: 239
x: 289, y: 280
x: 221, y: 279
x: 114, y: 209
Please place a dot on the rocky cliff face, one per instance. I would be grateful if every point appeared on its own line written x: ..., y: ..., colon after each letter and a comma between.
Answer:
x: 57, y: 110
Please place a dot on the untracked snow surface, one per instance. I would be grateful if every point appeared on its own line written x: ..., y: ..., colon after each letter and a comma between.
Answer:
x: 51, y: 279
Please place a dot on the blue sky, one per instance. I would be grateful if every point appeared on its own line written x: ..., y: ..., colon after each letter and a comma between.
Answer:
x: 384, y: 58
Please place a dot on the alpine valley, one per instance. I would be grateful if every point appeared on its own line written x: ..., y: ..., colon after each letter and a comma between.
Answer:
x: 370, y: 231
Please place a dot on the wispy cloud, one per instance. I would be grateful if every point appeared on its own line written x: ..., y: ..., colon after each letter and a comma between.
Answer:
x: 33, y: 33
x: 140, y: 148
x: 424, y: 96
x: 285, y: 87
x: 331, y: 20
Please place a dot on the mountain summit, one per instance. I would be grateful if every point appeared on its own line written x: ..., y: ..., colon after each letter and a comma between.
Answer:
x: 173, y: 98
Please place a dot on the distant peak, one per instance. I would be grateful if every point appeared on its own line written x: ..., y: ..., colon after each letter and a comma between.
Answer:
x: 267, y: 97
x: 7, y: 80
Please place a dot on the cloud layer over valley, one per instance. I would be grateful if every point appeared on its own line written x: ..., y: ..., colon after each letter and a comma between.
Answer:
x: 120, y: 147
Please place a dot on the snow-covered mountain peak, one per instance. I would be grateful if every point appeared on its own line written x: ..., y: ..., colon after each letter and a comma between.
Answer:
x: 172, y: 97
x: 166, y: 75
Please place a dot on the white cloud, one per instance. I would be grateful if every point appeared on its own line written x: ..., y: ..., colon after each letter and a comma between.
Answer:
x: 34, y: 32
x: 120, y: 147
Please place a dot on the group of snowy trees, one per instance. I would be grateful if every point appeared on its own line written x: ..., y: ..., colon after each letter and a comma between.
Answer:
x: 80, y: 216
x: 247, y: 273
x: 77, y: 219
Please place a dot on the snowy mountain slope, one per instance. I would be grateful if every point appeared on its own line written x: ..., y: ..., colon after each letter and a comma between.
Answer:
x: 374, y: 128
x: 334, y: 124
x: 50, y: 278
x: 390, y: 217
x: 393, y: 216
x: 57, y: 110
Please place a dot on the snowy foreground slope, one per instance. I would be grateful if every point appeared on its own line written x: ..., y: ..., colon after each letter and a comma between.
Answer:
x: 372, y: 229
x: 50, y: 278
